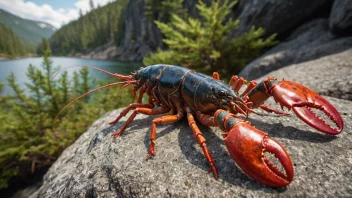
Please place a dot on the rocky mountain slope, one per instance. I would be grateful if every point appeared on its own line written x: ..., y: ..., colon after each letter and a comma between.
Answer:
x: 30, y: 31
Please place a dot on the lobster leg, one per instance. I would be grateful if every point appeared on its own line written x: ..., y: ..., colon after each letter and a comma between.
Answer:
x: 146, y: 111
x: 168, y: 119
x: 130, y: 107
x: 135, y: 105
x: 201, y: 140
x: 205, y: 119
x: 216, y: 75
x: 271, y: 110
x: 141, y: 93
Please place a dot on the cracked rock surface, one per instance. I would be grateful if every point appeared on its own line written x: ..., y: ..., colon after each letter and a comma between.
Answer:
x: 97, y: 165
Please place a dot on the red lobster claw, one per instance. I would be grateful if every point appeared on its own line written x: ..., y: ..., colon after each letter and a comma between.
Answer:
x: 301, y: 99
x: 247, y: 145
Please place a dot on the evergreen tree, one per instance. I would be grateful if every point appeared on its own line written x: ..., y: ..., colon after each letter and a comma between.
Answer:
x: 163, y: 8
x: 206, y: 44
x: 91, y: 5
x: 80, y: 13
x: 27, y: 142
x: 11, y: 45
x: 43, y: 46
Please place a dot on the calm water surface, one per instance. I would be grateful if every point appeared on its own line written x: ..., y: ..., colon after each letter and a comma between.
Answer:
x: 19, y: 68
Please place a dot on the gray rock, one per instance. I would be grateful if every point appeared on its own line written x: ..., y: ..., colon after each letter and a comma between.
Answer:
x: 310, y: 41
x: 330, y: 75
x: 96, y: 165
x: 279, y: 16
x: 340, y: 19
x: 105, y: 52
x: 141, y: 36
x: 26, y: 192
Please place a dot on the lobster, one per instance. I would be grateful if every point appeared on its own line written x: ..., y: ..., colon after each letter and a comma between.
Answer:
x: 178, y: 92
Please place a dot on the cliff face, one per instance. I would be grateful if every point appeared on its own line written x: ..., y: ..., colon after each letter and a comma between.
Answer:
x: 140, y: 36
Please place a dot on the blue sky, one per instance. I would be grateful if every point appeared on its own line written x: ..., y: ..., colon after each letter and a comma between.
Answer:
x: 56, y: 4
x: 55, y: 12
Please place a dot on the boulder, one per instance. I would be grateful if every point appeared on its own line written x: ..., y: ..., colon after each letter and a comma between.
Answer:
x: 330, y: 75
x: 340, y: 19
x: 279, y: 16
x: 97, y: 165
x: 310, y: 41
x: 141, y: 35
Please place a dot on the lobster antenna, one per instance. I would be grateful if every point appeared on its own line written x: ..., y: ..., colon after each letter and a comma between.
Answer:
x: 101, y: 70
x: 85, y: 94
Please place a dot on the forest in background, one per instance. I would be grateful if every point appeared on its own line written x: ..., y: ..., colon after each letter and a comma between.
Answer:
x: 96, y: 28
x: 11, y: 45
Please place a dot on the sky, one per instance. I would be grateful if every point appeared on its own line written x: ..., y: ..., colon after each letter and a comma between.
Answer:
x: 54, y: 12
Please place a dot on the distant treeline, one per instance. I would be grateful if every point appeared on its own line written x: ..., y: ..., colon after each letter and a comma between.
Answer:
x: 11, y: 45
x: 91, y: 30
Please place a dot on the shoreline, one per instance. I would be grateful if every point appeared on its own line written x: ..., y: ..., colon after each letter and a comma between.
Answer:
x: 17, y: 57
x: 3, y: 58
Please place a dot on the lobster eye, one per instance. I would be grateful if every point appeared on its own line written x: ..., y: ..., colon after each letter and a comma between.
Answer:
x: 222, y: 93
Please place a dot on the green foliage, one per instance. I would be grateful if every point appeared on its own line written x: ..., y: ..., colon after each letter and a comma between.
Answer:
x: 43, y: 46
x: 27, y: 141
x: 164, y: 8
x: 206, y: 44
x: 100, y: 26
x: 11, y: 45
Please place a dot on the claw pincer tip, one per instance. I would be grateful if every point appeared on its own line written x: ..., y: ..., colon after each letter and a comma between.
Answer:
x: 302, y: 100
x: 247, y: 145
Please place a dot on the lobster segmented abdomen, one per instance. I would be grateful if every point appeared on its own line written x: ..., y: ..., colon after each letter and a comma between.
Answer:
x: 169, y: 83
x: 163, y: 82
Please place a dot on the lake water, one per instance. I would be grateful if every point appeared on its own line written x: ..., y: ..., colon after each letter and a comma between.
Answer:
x: 19, y: 68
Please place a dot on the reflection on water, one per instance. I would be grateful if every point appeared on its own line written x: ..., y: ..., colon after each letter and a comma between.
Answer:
x: 19, y: 68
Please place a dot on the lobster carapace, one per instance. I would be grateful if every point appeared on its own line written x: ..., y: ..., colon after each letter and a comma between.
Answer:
x: 179, y: 92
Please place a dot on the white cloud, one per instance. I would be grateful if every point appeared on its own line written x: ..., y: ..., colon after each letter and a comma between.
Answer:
x: 45, y: 12
x: 85, y: 7
x: 61, y: 10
